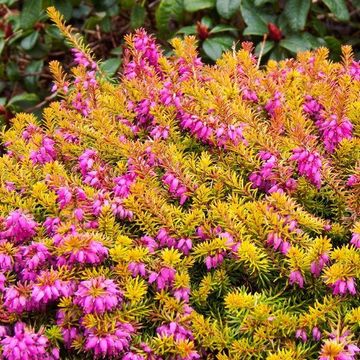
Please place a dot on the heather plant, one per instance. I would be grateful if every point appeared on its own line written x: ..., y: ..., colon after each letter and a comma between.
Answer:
x: 184, y: 211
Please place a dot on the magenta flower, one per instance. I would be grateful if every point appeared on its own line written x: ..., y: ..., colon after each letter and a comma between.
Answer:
x: 276, y: 241
x: 355, y: 240
x: 273, y: 104
x: 123, y: 184
x: 309, y: 165
x: 296, y: 278
x: 97, y: 295
x: 64, y: 197
x: 46, y: 153
x: 49, y: 287
x: 20, y: 227
x: 334, y: 131
x: 301, y: 334
x: 137, y: 268
x: 164, y: 278
x: 25, y: 344
x: 342, y: 287
x: 85, y: 251
x: 316, y: 333
x: 176, y: 188
x: 18, y: 298
x: 353, y: 180
x: 317, y: 265
x: 113, y: 344
x: 354, y: 70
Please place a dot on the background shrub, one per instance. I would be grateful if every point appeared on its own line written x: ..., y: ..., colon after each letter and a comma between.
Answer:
x: 185, y: 212
x: 28, y: 41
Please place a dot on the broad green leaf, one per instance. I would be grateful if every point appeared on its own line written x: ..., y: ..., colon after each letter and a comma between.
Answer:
x: 29, y: 41
x: 278, y: 53
x: 222, y: 28
x: 196, y: 5
x: 30, y: 13
x: 208, y: 21
x: 187, y: 30
x: 23, y: 101
x: 256, y: 23
x: 12, y: 71
x: 168, y: 11
x: 227, y: 8
x: 269, y: 45
x: 110, y: 66
x: 295, y: 43
x: 338, y: 8
x: 296, y: 12
x: 64, y: 6
x: 214, y: 47
x: 31, y: 81
x: 137, y: 16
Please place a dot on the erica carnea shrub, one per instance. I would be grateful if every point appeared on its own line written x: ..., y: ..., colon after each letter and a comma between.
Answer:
x: 185, y: 212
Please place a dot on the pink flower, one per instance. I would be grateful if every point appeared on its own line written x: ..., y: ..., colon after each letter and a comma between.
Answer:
x: 113, y: 344
x: 20, y: 227
x: 64, y: 197
x: 164, y: 278
x: 355, y: 240
x: 317, y: 265
x: 353, y: 180
x: 301, y: 334
x: 137, y: 268
x: 46, y: 153
x: 25, y: 344
x: 296, y: 278
x: 342, y: 287
x: 97, y: 295
x: 316, y: 333
x: 334, y: 131
x: 309, y: 165
x: 175, y: 187
x: 273, y: 104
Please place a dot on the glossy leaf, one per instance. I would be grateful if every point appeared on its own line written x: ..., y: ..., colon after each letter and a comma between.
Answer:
x: 227, y: 8
x: 168, y: 11
x: 29, y: 41
x: 296, y: 12
x: 338, y: 8
x: 256, y: 23
x: 214, y: 47
x: 196, y: 5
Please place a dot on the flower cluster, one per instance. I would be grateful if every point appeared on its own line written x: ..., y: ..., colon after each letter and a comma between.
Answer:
x: 185, y: 212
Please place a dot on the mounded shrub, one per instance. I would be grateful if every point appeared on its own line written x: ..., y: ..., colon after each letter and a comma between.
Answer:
x: 186, y: 211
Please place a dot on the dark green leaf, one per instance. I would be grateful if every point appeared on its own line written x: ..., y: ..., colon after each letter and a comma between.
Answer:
x: 30, y: 13
x: 29, y: 41
x: 187, y: 30
x: 334, y: 45
x: 137, y: 16
x: 64, y: 6
x: 168, y: 11
x: 269, y: 45
x: 214, y: 47
x: 31, y: 81
x: 208, y: 21
x: 278, y: 53
x: 23, y: 101
x: 296, y: 12
x: 110, y: 66
x: 222, y: 28
x: 54, y: 32
x: 117, y: 51
x: 255, y: 21
x: 196, y: 5
x: 295, y: 43
x: 227, y: 8
x: 12, y: 71
x: 338, y: 8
